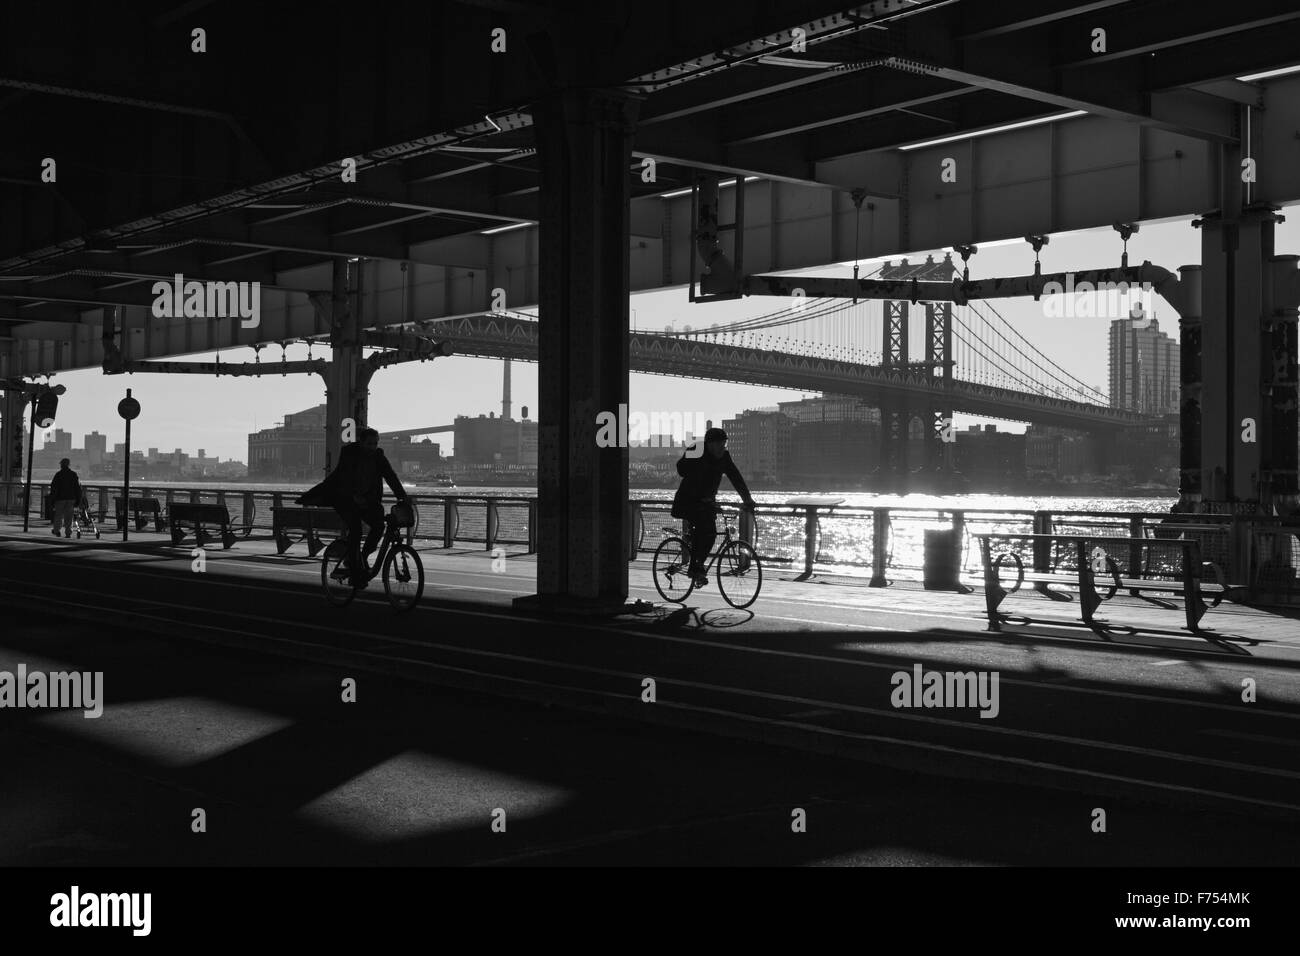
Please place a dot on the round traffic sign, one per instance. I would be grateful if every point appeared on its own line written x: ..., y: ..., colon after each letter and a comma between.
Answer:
x: 128, y: 408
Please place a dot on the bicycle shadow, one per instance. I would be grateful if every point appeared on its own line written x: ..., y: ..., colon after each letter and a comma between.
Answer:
x: 687, y: 617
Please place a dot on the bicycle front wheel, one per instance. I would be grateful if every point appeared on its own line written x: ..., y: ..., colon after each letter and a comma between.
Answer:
x: 671, y: 570
x: 403, y: 577
x: 334, y: 577
x: 740, y: 574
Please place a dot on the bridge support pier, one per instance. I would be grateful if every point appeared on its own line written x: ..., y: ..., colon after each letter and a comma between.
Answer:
x: 584, y: 152
x: 1241, y: 381
x: 12, y: 435
x: 347, y: 380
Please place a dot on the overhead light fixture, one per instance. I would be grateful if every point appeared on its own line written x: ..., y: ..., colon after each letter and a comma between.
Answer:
x: 513, y: 225
x: 799, y: 64
x: 996, y: 129
x: 687, y: 190
x: 1270, y: 73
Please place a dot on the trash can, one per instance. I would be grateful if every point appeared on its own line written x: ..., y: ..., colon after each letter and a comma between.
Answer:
x: 943, y: 560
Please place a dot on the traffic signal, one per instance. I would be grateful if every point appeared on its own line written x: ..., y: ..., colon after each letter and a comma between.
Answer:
x: 47, y: 404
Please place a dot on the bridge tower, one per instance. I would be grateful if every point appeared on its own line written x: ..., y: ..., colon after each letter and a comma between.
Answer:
x: 897, y: 413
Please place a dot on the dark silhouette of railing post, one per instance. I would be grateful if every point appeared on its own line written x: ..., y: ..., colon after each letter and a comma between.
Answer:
x: 632, y: 525
x: 879, y: 547
x: 1134, y: 549
x: 1042, y: 547
x: 809, y: 541
x: 450, y: 521
x: 532, y: 526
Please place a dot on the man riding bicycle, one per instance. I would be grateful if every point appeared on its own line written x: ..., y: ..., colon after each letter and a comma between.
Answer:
x: 695, y: 500
x: 355, y: 489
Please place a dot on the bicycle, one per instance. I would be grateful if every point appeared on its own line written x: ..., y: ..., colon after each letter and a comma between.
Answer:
x: 739, y: 571
x: 402, y: 570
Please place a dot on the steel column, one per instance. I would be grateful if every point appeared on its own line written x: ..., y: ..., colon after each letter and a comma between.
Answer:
x: 584, y: 141
x: 1189, y: 336
x: 346, y: 387
x: 13, y: 404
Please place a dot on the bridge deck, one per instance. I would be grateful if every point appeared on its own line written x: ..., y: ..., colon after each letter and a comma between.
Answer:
x: 1136, y: 723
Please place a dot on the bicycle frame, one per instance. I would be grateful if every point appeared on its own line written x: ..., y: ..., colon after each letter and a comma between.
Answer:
x: 724, y: 539
x: 392, y: 535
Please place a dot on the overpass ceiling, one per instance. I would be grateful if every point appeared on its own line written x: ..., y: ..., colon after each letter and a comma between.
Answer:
x: 225, y: 164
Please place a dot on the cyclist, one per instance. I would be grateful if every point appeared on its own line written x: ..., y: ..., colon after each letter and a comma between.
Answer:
x: 695, y: 500
x: 355, y: 489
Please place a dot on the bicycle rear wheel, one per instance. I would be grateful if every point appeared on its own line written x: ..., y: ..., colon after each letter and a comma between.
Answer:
x: 333, y: 574
x: 403, y: 577
x: 671, y: 569
x: 740, y: 574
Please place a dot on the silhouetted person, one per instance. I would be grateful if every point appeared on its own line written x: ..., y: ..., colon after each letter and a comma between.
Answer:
x: 696, y: 498
x: 355, y: 489
x: 65, y: 493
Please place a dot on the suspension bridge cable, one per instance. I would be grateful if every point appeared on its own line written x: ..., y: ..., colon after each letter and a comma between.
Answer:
x: 1084, y: 388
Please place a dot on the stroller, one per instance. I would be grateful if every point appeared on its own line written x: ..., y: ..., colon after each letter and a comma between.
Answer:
x: 83, y: 519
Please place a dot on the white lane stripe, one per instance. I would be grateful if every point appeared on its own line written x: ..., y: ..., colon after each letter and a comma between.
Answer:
x: 751, y: 718
x: 1168, y: 663
x: 812, y: 702
x: 630, y: 628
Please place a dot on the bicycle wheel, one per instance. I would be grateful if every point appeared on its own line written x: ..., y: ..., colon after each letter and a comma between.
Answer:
x: 740, y: 574
x: 333, y: 574
x: 671, y: 570
x: 403, y: 577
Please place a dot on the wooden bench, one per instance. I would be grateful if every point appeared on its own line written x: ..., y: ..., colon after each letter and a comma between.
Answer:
x: 143, y: 509
x: 197, y: 516
x: 1093, y: 564
x: 306, y: 520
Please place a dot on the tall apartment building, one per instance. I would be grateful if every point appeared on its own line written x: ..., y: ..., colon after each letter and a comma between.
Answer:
x: 1144, y: 368
x: 96, y: 446
x: 759, y: 441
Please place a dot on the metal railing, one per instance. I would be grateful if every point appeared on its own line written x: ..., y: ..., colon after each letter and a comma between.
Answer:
x: 881, y: 542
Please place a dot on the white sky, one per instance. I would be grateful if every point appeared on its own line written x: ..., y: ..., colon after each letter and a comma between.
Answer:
x: 216, y: 414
